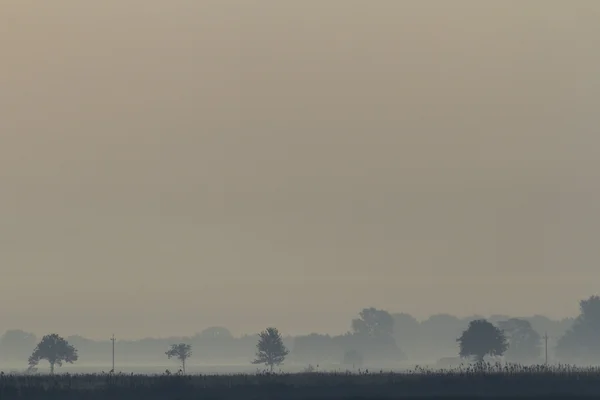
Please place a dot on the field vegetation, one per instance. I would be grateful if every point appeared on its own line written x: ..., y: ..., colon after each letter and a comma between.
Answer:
x: 468, y: 381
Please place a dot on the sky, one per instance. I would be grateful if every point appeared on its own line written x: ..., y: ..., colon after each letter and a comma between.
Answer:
x: 170, y: 166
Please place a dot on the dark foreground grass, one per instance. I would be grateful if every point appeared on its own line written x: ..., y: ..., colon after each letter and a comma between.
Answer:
x: 469, y: 382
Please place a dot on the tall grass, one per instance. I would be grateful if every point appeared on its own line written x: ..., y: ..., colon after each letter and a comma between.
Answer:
x: 465, y: 381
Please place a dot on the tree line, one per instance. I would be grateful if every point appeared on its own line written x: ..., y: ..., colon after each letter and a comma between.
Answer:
x: 373, y: 337
x: 56, y: 350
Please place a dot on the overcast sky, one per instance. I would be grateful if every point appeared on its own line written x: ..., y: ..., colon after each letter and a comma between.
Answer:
x: 166, y: 166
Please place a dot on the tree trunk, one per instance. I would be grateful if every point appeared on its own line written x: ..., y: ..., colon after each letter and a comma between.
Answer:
x: 183, y: 364
x: 51, y: 368
x: 271, y: 365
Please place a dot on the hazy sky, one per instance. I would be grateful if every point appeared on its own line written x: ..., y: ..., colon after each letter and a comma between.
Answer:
x: 171, y: 165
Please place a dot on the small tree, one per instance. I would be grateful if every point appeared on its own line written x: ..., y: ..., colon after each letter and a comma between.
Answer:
x: 181, y: 352
x: 480, y: 339
x: 55, y: 350
x: 270, y: 349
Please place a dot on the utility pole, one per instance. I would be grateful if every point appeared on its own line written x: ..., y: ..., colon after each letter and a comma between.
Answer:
x: 546, y: 346
x: 112, y: 339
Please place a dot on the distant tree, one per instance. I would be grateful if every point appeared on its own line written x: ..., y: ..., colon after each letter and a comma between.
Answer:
x: 215, y: 332
x: 345, y: 342
x: 372, y: 335
x: 495, y: 319
x: 314, y: 348
x: 438, y: 334
x: 524, y: 343
x: 55, y: 350
x: 554, y: 328
x: 218, y: 343
x: 406, y: 327
x: 16, y: 344
x: 270, y: 349
x: 181, y: 352
x: 582, y: 341
x: 482, y: 338
x: 373, y: 322
x: 407, y: 333
x: 354, y: 358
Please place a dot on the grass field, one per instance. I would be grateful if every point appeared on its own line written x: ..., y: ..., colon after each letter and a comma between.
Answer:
x: 467, y: 382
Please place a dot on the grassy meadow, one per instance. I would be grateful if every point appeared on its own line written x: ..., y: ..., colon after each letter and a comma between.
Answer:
x: 488, y: 380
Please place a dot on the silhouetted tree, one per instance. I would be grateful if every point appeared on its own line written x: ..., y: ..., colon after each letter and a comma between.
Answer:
x: 181, y: 352
x: 482, y: 338
x: 524, y: 343
x: 55, y: 350
x: 582, y: 341
x: 270, y: 349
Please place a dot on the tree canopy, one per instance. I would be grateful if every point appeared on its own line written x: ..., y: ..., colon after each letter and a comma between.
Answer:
x: 55, y: 350
x: 482, y: 338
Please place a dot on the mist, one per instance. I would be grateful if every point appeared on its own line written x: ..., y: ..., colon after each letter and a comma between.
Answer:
x: 170, y: 166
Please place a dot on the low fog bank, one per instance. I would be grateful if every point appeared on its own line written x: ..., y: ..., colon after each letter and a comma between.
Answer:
x: 376, y: 339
